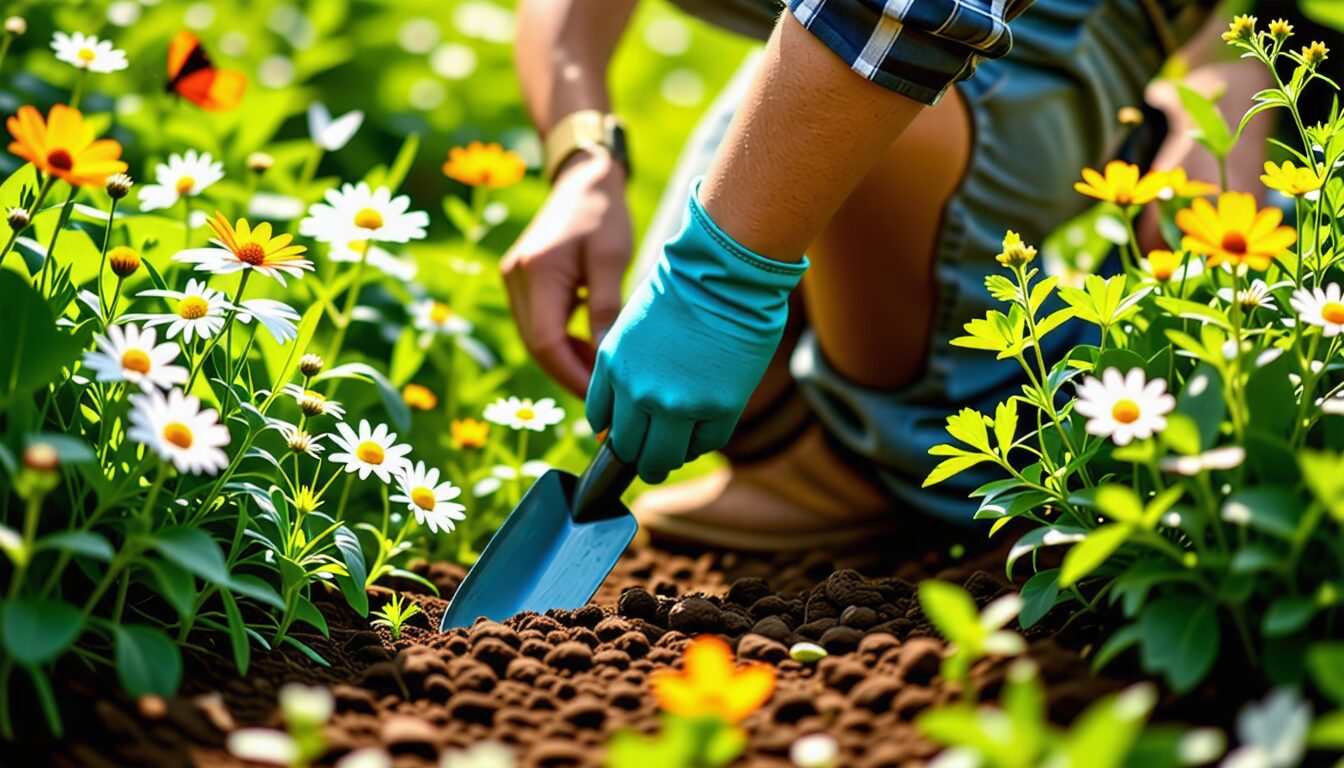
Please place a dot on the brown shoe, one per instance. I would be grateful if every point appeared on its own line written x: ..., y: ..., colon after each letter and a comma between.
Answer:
x: 805, y: 497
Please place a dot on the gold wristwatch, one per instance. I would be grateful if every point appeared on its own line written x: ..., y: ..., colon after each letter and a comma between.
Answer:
x: 582, y: 130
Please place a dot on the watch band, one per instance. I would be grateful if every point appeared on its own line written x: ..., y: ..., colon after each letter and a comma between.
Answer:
x: 585, y: 129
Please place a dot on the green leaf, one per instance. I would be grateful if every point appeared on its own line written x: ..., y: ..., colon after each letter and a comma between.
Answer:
x: 1202, y: 400
x: 1106, y: 731
x: 951, y: 610
x: 305, y: 611
x: 1271, y: 510
x: 250, y: 586
x: 34, y: 630
x: 242, y: 651
x: 1180, y: 639
x: 147, y: 661
x: 1287, y: 615
x: 78, y: 543
x: 1324, y: 473
x: 1120, y: 502
x: 396, y: 174
x: 952, y: 467
x: 353, y: 584
x: 397, y: 411
x: 1039, y: 595
x: 193, y: 549
x: 32, y: 348
x: 1211, y: 130
x: 1274, y: 396
x: 1327, y: 732
x: 1089, y: 554
x: 1005, y: 425
x: 176, y: 584
x: 1120, y: 641
x: 1325, y: 662
x: 407, y: 357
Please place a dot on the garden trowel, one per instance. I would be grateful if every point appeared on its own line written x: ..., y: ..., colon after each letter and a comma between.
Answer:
x: 555, y: 548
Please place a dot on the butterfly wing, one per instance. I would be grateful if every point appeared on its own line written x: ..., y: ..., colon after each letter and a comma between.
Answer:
x: 215, y: 90
x: 185, y: 56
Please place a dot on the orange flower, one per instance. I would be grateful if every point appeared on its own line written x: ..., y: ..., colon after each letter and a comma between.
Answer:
x: 64, y: 146
x: 1163, y: 264
x: 709, y: 685
x: 484, y: 165
x: 241, y: 246
x: 469, y: 433
x: 1121, y: 184
x: 419, y: 397
x: 1236, y: 232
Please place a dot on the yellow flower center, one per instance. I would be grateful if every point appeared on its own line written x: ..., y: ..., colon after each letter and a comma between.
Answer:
x: 185, y: 184
x: 369, y: 452
x: 135, y: 360
x: 1162, y: 274
x: 526, y: 414
x: 368, y: 218
x: 1333, y: 312
x: 440, y: 312
x: 423, y: 497
x: 192, y: 308
x: 251, y: 253
x: 86, y: 54
x: 60, y: 160
x: 1125, y: 411
x: 1235, y: 243
x: 178, y: 434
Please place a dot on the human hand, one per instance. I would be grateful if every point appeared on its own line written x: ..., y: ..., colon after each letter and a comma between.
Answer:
x: 581, y: 237
x: 689, y: 347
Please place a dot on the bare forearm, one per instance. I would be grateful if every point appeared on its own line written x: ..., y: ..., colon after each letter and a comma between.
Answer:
x: 808, y: 131
x: 562, y: 52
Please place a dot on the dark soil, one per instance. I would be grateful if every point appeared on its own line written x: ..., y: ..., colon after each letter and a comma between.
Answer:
x: 556, y: 686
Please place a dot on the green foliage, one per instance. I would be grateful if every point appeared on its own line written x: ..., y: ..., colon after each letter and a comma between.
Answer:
x: 680, y: 742
x: 1189, y: 463
x: 395, y: 613
x: 973, y: 635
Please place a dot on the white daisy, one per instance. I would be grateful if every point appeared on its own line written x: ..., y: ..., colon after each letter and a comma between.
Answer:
x: 275, y: 316
x: 370, y: 451
x: 130, y: 354
x: 88, y: 52
x: 332, y: 135
x: 182, y: 176
x: 1254, y: 296
x: 431, y: 501
x: 354, y: 213
x: 437, y: 317
x: 197, y: 311
x: 1321, y: 307
x: 178, y: 430
x: 1124, y: 406
x: 384, y: 261
x: 312, y: 403
x: 522, y: 413
x: 503, y: 473
x: 301, y: 440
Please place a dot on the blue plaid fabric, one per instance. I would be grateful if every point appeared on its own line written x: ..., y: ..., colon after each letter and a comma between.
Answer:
x: 914, y: 47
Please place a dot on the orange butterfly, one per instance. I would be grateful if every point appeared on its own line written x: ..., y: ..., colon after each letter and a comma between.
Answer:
x: 193, y: 77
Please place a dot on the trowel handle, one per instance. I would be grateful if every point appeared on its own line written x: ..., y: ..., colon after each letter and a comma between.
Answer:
x: 599, y: 489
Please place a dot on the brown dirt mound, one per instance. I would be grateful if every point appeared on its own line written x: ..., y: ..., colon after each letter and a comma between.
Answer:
x: 556, y: 686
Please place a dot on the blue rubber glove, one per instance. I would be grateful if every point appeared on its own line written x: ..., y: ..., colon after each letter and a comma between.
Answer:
x: 675, y: 371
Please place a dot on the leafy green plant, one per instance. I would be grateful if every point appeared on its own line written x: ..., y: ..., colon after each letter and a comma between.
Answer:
x: 1187, y: 463
x: 973, y: 634
x: 395, y: 613
x: 1017, y: 733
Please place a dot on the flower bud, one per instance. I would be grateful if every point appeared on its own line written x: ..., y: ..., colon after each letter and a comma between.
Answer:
x: 1241, y: 28
x: 18, y: 219
x: 1129, y: 116
x: 1280, y: 30
x: 123, y: 260
x: 1015, y: 252
x: 1314, y: 54
x: 419, y: 397
x: 312, y: 404
x: 311, y: 364
x: 16, y: 25
x: 260, y: 162
x: 41, y: 457
x: 299, y: 441
x: 119, y: 185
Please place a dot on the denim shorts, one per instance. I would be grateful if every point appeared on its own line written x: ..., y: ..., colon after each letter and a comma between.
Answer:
x: 1040, y: 115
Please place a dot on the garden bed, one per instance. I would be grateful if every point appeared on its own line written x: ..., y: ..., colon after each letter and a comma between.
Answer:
x: 556, y: 687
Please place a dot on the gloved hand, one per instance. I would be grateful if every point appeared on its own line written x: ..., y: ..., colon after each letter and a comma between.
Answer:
x: 688, y: 349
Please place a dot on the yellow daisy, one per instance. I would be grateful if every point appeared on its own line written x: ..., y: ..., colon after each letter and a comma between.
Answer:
x: 242, y: 246
x: 1122, y: 184
x: 1236, y: 232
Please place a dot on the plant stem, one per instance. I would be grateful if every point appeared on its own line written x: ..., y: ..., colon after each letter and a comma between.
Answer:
x: 227, y: 328
x: 351, y: 299
x: 102, y: 261
x: 47, y: 268
x: 32, y: 213
x: 30, y: 516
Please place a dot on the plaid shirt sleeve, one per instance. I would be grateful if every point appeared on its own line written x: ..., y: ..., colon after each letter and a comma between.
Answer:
x: 917, y: 48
